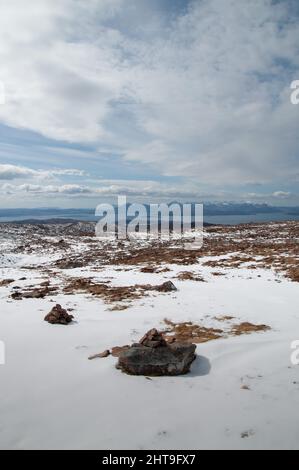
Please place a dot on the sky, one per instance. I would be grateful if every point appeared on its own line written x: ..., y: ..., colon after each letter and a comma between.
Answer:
x: 154, y: 99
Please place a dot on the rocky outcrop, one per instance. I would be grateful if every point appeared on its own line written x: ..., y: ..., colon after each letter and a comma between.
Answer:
x: 152, y: 356
x: 59, y: 315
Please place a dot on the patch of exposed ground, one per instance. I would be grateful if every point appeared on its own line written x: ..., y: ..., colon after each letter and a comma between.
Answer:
x: 67, y: 246
x: 264, y: 245
x: 189, y: 276
x: 115, y: 294
x: 32, y: 292
x: 224, y: 318
x: 246, y: 328
x: 293, y: 273
x: 189, y: 332
x: 193, y: 333
x: 154, y: 270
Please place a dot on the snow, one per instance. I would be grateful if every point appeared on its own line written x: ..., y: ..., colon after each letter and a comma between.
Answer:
x: 53, y: 397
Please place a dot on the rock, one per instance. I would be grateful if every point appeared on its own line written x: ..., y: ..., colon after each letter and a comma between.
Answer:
x: 167, y: 286
x: 118, y: 350
x: 6, y: 282
x: 105, y: 353
x: 153, y: 356
x: 69, y: 263
x: 16, y: 295
x: 153, y: 339
x: 58, y: 315
x: 174, y: 359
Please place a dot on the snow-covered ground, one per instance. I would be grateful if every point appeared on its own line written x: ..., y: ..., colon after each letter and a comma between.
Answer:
x: 242, y: 392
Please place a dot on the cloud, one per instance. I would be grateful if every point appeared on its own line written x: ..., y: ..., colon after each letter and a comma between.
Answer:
x: 60, y: 67
x: 281, y: 194
x: 203, y: 94
x: 46, y: 190
x: 88, y: 195
x: 11, y: 172
x: 106, y: 188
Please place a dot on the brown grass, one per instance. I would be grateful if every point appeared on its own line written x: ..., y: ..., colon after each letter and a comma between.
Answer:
x: 112, y: 294
x: 189, y: 332
x: 246, y: 328
x: 189, y: 276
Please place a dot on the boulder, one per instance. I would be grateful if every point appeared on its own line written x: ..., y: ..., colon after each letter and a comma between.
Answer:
x: 167, y: 286
x: 59, y: 315
x: 152, y: 356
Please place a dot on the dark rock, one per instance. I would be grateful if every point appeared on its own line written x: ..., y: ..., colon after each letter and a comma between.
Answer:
x: 174, y: 359
x: 167, y: 286
x: 6, y: 282
x: 58, y: 315
x: 16, y: 295
x: 153, y: 356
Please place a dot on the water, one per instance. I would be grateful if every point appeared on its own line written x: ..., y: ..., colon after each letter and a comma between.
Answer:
x: 12, y: 215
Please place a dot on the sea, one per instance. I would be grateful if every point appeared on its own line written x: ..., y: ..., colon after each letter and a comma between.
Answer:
x: 42, y: 215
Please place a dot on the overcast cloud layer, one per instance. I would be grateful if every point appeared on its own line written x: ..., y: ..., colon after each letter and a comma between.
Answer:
x: 195, y: 94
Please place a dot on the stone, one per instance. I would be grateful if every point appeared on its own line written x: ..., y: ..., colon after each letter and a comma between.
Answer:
x: 6, y: 282
x: 153, y: 339
x: 174, y: 359
x: 59, y: 315
x: 167, y: 286
x: 101, y: 355
x: 153, y: 356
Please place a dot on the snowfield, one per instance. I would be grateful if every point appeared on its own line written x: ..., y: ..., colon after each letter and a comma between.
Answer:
x: 242, y: 391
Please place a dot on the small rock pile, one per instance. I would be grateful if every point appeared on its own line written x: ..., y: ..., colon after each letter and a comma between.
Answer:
x: 152, y: 339
x: 59, y: 315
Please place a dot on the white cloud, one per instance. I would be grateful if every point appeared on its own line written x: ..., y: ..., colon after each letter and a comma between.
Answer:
x: 206, y: 96
x: 281, y: 194
x: 136, y: 190
x: 45, y: 190
x: 11, y: 172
